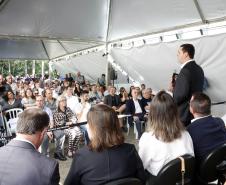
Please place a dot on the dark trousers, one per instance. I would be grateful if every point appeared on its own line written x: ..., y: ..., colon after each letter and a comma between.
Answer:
x: 137, y: 125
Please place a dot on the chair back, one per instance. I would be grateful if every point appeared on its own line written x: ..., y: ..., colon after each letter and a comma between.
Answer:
x: 125, y: 181
x: 12, y: 113
x: 214, y: 165
x: 179, y: 171
x: 10, y: 119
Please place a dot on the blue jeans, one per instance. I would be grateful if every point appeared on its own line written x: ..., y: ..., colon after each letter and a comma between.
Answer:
x: 85, y: 133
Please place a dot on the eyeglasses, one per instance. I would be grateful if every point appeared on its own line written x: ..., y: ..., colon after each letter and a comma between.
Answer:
x: 39, y: 100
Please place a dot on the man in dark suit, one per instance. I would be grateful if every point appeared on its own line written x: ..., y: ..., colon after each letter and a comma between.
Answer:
x: 20, y: 162
x: 135, y: 108
x: 207, y: 132
x: 113, y: 100
x: 189, y: 80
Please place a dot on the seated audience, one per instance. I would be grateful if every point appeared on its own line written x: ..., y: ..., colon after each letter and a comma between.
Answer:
x: 135, y: 108
x: 64, y: 116
x: 50, y: 101
x: 80, y: 78
x: 207, y: 132
x: 82, y: 112
x: 112, y: 99
x: 10, y: 102
x: 107, y: 157
x: 146, y: 99
x: 123, y: 97
x: 130, y: 91
x: 49, y: 135
x: 38, y: 87
x: 72, y: 101
x: 20, y: 161
x: 166, y: 137
x: 173, y: 82
x: 143, y: 86
x: 29, y: 99
x: 101, y: 80
x: 94, y: 95
x: 77, y: 90
x: 9, y: 81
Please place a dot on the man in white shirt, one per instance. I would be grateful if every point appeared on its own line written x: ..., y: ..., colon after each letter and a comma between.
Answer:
x: 82, y: 112
x: 72, y: 101
x: 135, y: 108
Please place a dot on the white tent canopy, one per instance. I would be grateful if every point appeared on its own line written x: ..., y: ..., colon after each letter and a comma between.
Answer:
x: 45, y: 29
x: 49, y: 29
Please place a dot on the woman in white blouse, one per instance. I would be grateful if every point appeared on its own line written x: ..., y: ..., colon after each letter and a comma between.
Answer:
x: 166, y: 137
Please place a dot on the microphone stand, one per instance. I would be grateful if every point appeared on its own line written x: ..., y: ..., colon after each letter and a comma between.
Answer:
x: 66, y: 126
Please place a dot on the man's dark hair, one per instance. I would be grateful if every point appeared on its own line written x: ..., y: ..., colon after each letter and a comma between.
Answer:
x: 189, y: 48
x: 31, y: 121
x: 201, y: 103
x: 84, y: 92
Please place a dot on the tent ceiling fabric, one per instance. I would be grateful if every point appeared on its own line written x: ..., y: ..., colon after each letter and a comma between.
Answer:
x: 72, y: 46
x: 92, y: 22
x: 21, y: 49
x: 60, y: 48
x: 213, y: 9
x: 68, y: 19
x: 152, y: 16
x: 35, y: 50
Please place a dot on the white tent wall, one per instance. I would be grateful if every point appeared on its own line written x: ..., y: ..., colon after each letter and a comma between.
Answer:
x: 154, y: 64
x: 91, y: 66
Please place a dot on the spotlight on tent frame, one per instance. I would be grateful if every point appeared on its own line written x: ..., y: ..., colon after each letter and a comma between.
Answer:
x: 105, y: 54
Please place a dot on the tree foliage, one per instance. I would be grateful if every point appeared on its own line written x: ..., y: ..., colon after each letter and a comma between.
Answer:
x: 18, y: 67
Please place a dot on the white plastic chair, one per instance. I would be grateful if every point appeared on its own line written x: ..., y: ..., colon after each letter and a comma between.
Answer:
x: 10, y: 117
x: 143, y: 124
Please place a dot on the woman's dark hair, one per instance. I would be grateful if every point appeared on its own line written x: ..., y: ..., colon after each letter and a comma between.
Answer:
x: 32, y: 95
x: 130, y: 90
x: 78, y: 90
x: 104, y: 126
x: 174, y: 76
x: 164, y: 120
x: 6, y: 95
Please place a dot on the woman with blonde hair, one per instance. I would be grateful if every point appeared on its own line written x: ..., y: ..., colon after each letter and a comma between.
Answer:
x: 107, y: 157
x: 166, y: 137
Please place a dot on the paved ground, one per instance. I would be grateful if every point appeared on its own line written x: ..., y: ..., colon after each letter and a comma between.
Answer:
x: 65, y: 165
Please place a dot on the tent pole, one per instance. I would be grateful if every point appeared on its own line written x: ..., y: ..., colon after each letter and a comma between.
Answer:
x: 25, y: 68
x: 108, y: 67
x: 33, y: 68
x: 43, y: 68
x: 204, y: 21
x: 9, y: 66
